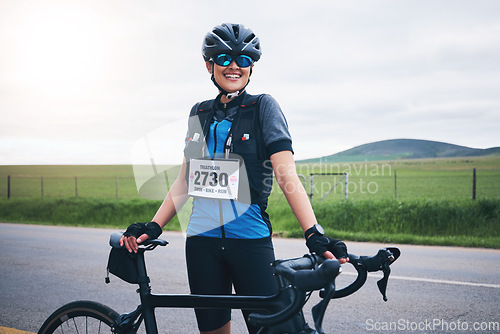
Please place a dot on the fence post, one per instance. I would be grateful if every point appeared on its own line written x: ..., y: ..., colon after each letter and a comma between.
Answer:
x: 8, y: 186
x: 41, y: 184
x: 116, y: 186
x: 76, y: 186
x: 311, y: 180
x: 346, y: 185
x: 395, y: 185
x: 474, y: 184
x: 301, y: 177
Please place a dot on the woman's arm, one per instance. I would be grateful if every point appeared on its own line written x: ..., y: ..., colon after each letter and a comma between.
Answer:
x: 174, y: 201
x: 288, y: 180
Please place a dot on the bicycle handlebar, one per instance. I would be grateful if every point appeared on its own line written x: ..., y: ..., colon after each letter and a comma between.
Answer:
x: 297, y: 302
x: 301, y: 274
x: 365, y: 264
x: 308, y: 273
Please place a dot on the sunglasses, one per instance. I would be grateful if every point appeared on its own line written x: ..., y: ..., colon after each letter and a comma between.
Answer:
x: 225, y: 59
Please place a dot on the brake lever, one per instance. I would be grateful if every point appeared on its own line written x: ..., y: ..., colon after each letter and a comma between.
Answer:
x: 382, y: 283
x: 391, y: 255
x: 382, y: 261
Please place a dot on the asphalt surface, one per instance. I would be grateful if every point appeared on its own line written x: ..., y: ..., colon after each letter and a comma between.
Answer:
x: 431, y: 290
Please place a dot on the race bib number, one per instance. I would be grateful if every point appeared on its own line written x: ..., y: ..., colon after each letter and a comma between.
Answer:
x: 218, y: 179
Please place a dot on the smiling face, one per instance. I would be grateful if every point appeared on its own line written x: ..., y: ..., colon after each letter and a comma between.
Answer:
x: 231, y: 78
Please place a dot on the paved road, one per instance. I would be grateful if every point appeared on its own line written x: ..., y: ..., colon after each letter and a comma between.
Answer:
x: 433, y: 288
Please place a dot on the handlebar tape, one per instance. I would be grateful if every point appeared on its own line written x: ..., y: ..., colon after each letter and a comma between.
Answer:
x: 298, y: 298
x: 309, y: 280
x: 298, y: 272
x: 362, y: 275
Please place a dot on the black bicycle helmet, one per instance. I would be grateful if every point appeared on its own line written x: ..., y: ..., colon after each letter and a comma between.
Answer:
x: 231, y: 38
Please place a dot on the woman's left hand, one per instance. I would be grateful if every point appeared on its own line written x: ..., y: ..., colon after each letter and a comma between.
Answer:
x: 328, y: 247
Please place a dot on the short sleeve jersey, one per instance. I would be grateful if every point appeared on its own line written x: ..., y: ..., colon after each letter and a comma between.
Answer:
x: 207, y: 214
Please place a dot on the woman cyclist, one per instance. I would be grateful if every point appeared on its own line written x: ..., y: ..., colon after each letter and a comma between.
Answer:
x: 229, y: 236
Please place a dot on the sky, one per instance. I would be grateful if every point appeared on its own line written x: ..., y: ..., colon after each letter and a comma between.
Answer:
x: 112, y: 82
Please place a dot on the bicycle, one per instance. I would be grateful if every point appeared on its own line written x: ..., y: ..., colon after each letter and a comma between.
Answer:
x: 278, y: 313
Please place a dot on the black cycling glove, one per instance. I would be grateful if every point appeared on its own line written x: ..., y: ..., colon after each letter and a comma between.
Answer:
x: 153, y: 230
x: 319, y: 244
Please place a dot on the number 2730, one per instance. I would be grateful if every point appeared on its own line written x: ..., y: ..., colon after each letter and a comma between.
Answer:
x: 213, y: 179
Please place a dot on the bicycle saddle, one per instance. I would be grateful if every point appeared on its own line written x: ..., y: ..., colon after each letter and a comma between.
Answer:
x: 114, y: 241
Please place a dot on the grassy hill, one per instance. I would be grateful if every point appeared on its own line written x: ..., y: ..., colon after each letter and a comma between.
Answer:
x: 395, y: 149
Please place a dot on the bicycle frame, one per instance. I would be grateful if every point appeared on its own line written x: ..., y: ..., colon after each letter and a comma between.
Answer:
x: 278, y: 313
x: 280, y: 302
x: 274, y: 314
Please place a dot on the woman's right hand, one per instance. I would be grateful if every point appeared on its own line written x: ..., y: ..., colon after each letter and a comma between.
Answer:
x: 132, y: 243
x: 137, y: 233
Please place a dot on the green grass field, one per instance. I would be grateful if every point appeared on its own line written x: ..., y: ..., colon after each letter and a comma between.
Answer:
x: 433, y: 203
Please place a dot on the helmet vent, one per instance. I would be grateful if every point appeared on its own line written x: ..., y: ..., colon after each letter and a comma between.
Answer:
x: 236, y: 30
x: 221, y: 35
x: 249, y: 38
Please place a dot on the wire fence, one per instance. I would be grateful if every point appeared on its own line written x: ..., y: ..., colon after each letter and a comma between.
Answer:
x: 19, y: 186
x: 469, y: 184
x: 439, y: 185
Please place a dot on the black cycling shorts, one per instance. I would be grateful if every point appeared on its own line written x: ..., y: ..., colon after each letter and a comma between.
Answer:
x: 215, y: 265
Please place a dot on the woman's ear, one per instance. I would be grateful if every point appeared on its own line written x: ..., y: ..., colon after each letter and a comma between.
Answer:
x: 210, y: 66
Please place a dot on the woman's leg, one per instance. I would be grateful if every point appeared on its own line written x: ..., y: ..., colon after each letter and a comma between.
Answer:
x: 226, y: 329
x: 208, y: 275
x: 251, y: 269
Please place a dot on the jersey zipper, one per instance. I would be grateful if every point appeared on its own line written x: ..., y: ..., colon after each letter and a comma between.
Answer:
x: 215, y: 140
x: 221, y: 215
